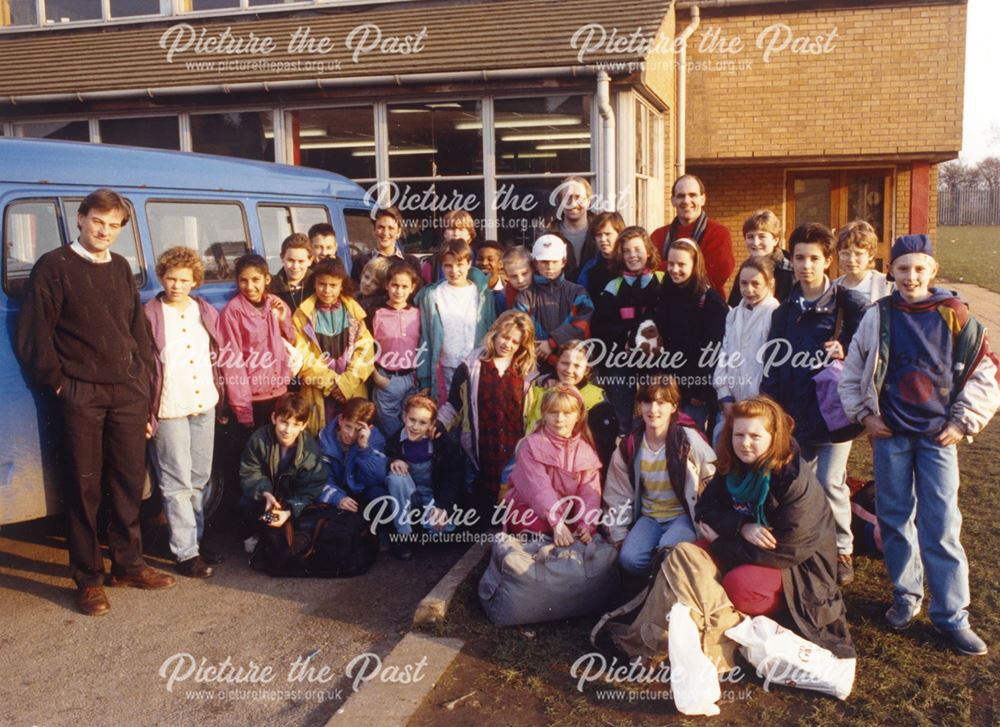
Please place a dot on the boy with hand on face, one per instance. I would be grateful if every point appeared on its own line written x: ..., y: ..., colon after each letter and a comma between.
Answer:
x: 560, y: 310
x: 920, y: 376
x: 354, y: 452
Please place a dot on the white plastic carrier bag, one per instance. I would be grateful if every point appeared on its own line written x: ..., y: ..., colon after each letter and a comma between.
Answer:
x: 694, y: 679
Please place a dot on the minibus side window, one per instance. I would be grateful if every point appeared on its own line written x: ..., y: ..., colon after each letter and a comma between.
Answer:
x: 127, y: 244
x: 216, y: 230
x: 279, y: 221
x: 30, y: 229
x: 360, y: 230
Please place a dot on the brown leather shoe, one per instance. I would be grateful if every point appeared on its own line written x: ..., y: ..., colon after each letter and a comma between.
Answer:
x: 91, y: 601
x: 148, y: 578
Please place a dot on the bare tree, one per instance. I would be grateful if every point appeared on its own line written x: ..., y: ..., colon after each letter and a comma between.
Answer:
x: 955, y: 175
x: 988, y: 173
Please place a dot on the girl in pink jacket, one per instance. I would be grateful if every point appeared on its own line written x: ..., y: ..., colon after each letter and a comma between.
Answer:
x: 555, y: 487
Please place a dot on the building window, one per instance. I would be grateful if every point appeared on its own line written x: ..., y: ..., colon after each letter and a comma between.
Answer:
x: 244, y: 134
x: 69, y: 11
x: 338, y: 140
x: 838, y: 196
x: 64, y: 130
x: 132, y: 8
x: 215, y: 230
x: 435, y: 139
x: 539, y: 141
x: 31, y: 229
x: 18, y: 12
x: 543, y: 135
x: 196, y: 5
x: 155, y: 132
x: 278, y: 222
x: 648, y: 163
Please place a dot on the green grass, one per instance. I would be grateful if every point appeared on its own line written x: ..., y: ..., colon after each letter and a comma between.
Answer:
x: 521, y: 676
x: 970, y: 254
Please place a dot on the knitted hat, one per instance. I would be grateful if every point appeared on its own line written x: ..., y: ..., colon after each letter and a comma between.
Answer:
x: 549, y: 247
x: 906, y: 244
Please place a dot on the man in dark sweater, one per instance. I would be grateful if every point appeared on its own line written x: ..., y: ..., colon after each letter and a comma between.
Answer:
x: 82, y: 335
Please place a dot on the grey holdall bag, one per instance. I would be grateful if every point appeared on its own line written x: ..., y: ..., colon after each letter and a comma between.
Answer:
x: 531, y: 580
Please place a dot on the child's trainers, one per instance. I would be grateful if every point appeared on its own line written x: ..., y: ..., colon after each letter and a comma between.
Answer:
x: 900, y: 617
x: 966, y: 642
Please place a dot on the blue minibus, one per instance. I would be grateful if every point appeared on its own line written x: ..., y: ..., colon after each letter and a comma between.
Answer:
x: 221, y: 207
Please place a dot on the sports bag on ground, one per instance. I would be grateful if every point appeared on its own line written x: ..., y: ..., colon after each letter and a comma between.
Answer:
x: 532, y: 580
x: 324, y: 542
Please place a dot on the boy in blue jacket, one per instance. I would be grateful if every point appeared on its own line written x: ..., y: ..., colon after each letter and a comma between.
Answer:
x: 354, y: 452
x: 920, y: 376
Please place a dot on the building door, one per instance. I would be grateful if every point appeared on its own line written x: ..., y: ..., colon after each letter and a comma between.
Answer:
x: 838, y: 196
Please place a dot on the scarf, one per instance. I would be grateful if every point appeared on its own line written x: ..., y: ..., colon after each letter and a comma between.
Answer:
x: 696, y: 234
x: 750, y: 492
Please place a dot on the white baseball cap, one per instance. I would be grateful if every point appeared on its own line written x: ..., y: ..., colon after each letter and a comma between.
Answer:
x: 549, y: 247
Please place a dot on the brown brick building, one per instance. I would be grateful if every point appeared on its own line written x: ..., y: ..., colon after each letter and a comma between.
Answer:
x: 821, y: 110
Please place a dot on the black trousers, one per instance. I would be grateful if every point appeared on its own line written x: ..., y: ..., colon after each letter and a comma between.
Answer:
x: 105, y: 434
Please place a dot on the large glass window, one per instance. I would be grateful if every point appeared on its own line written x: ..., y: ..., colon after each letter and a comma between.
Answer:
x: 278, y: 222
x: 216, y: 230
x: 18, y: 12
x: 129, y: 8
x: 245, y: 134
x: 68, y: 11
x: 435, y: 139
x: 197, y: 5
x: 648, y: 168
x: 424, y: 204
x: 543, y: 135
x: 65, y: 130
x: 338, y: 140
x: 157, y: 132
x: 31, y: 229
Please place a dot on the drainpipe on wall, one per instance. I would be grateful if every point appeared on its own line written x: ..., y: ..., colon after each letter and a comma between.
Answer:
x: 682, y: 89
x: 607, y: 157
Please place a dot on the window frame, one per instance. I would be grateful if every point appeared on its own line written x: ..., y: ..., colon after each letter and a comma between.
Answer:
x: 248, y: 241
x: 56, y: 203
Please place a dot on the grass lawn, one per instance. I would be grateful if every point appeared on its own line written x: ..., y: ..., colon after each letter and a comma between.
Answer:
x: 521, y: 676
x: 970, y: 254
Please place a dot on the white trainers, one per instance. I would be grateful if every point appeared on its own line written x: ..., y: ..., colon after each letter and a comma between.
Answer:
x: 250, y: 544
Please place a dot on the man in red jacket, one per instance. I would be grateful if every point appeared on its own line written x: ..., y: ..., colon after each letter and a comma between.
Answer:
x: 688, y: 199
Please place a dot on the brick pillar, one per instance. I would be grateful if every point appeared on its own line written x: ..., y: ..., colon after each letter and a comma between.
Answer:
x: 920, y: 198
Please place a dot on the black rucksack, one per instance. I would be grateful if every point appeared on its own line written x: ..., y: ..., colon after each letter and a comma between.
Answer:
x: 323, y: 542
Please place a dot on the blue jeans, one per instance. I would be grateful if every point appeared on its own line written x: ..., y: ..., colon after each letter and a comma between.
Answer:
x: 647, y: 536
x: 829, y: 462
x: 916, y: 499
x: 389, y: 401
x: 410, y: 495
x: 183, y: 449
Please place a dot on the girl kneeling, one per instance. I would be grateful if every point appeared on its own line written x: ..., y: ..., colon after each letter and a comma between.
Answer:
x: 555, y: 487
x: 770, y: 529
x: 655, y: 477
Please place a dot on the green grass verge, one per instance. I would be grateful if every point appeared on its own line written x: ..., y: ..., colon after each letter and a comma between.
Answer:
x: 970, y: 254
x: 521, y: 676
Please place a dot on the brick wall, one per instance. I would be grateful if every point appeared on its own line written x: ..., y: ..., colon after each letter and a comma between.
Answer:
x: 892, y: 84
